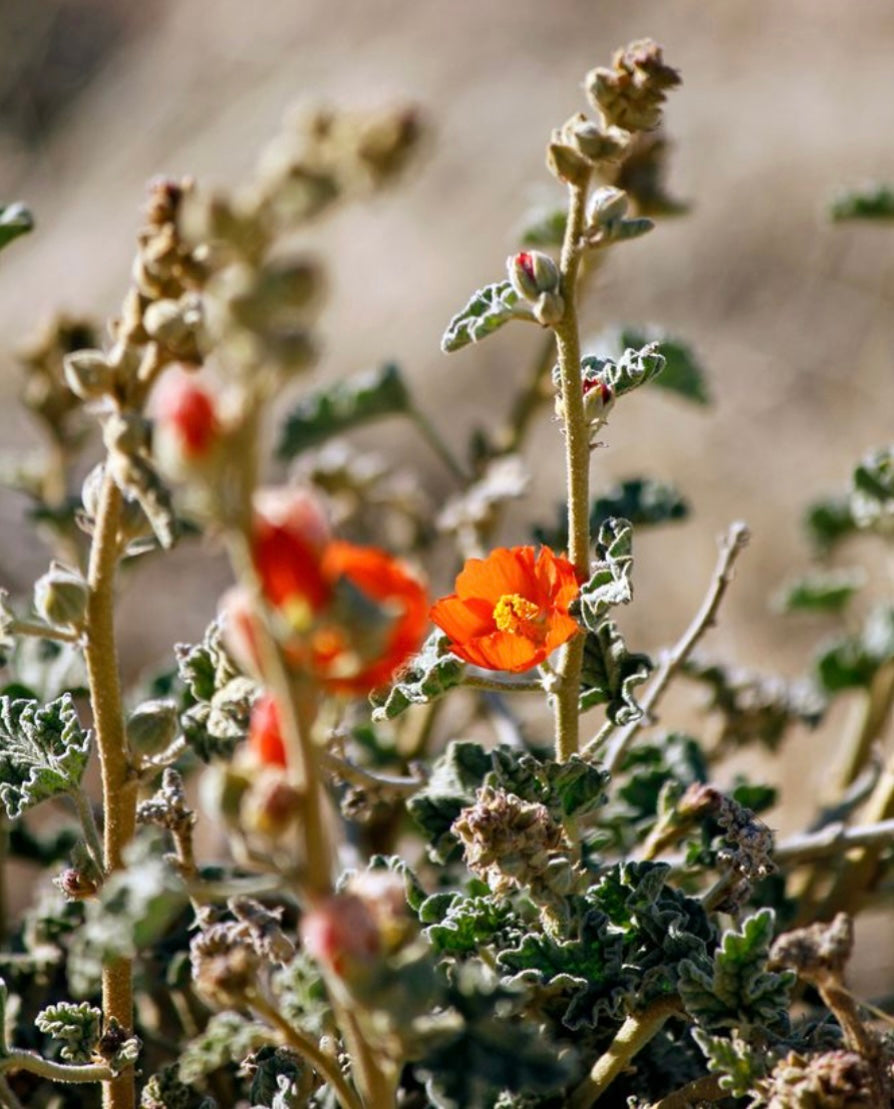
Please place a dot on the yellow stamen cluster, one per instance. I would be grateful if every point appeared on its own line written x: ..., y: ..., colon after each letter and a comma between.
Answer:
x: 514, y: 613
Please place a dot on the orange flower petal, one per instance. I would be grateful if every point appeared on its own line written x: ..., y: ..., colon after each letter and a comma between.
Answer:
x: 503, y: 571
x: 463, y: 620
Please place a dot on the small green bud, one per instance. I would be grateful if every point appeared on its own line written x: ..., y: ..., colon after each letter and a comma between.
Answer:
x: 153, y: 726
x: 549, y: 309
x: 88, y: 374
x: 567, y: 163
x: 606, y: 205
x: 532, y: 272
x: 60, y: 596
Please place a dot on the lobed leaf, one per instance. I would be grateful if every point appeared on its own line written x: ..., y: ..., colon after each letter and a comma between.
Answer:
x: 739, y: 992
x: 683, y: 374
x: 43, y: 751
x: 455, y: 778
x: 568, y: 789
x: 426, y: 677
x: 486, y: 312
x: 610, y: 673
x: 356, y: 400
x: 822, y: 591
x: 853, y: 661
x: 78, y: 1026
x: 609, y: 583
x: 739, y: 1064
x: 627, y: 372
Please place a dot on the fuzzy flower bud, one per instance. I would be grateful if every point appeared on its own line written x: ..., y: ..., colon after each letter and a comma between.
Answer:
x: 187, y: 423
x: 606, y: 206
x: 60, y: 596
x: 341, y: 934
x: 567, y: 163
x: 153, y: 726
x: 599, y: 398
x: 532, y: 272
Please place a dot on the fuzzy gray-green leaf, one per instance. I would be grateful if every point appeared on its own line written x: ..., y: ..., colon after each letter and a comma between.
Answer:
x: 428, y: 676
x: 488, y: 309
x: 609, y: 583
x: 610, y: 674
x: 43, y: 751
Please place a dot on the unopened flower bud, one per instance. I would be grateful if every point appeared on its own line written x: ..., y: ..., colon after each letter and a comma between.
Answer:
x: 532, y: 272
x: 88, y: 374
x: 75, y: 885
x: 264, y: 734
x: 549, y: 309
x: 187, y: 425
x: 153, y: 726
x: 567, y: 163
x: 60, y: 596
x: 270, y: 807
x: 599, y: 397
x: 594, y: 142
x: 175, y: 323
x: 341, y: 933
x: 606, y: 205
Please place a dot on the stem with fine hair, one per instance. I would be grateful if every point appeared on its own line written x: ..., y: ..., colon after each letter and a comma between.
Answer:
x: 119, y: 786
x: 92, y: 838
x: 17, y: 1059
x: 577, y: 469
x: 631, y: 1037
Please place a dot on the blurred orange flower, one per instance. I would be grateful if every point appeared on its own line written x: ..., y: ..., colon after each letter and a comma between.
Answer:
x: 264, y: 734
x: 510, y: 610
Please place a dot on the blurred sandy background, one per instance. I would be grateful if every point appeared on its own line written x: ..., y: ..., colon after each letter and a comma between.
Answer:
x: 782, y: 103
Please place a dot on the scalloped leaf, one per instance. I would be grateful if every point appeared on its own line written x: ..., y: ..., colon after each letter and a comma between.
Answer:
x: 571, y: 788
x: 610, y: 674
x: 346, y: 404
x: 15, y: 220
x: 77, y: 1026
x: 460, y: 925
x: 641, y: 501
x: 628, y: 372
x: 739, y: 991
x: 426, y: 677
x: 609, y: 583
x: 486, y: 312
x: 683, y: 374
x: 43, y: 751
x: 872, y: 202
x: 739, y: 1065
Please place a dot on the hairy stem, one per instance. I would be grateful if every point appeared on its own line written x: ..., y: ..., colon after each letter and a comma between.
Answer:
x: 706, y: 1088
x: 119, y: 787
x: 88, y: 823
x: 495, y: 685
x: 631, y: 1037
x: 577, y: 470
x: 307, y: 1048
x: 731, y: 546
x: 55, y: 1072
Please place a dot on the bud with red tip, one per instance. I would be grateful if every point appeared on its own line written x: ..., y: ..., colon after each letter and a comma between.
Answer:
x: 187, y: 424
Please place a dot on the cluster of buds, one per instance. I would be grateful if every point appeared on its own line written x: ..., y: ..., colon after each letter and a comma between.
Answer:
x: 346, y: 617
x: 599, y: 398
x: 536, y: 278
x: 631, y: 93
x: 517, y: 845
x: 837, y: 1079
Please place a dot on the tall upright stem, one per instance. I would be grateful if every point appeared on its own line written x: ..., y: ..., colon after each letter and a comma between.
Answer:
x: 119, y: 787
x: 577, y: 469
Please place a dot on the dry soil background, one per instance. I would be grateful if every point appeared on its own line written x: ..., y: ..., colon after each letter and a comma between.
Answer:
x: 783, y: 102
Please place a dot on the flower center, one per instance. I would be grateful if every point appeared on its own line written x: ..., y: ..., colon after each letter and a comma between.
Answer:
x: 517, y: 615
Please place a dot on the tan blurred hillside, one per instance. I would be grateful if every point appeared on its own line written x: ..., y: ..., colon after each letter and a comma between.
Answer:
x: 782, y: 103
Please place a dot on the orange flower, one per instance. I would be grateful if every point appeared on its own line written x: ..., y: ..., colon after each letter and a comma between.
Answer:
x: 380, y: 615
x: 510, y: 610
x: 264, y: 734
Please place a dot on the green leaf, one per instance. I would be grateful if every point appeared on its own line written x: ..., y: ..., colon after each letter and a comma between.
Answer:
x: 218, y: 697
x: 610, y: 674
x: 822, y: 591
x: 682, y: 373
x: 648, y: 768
x: 627, y: 372
x: 43, y: 752
x: 544, y: 228
x: 275, y: 1077
x: 426, y: 677
x: 739, y: 991
x: 873, y: 202
x: 740, y: 1065
x: 485, y: 313
x: 460, y: 925
x: 829, y: 521
x: 15, y: 220
x: 641, y: 501
x: 455, y: 778
x: 346, y: 404
x: 872, y: 500
x: 572, y: 788
x: 852, y: 662
x: 78, y: 1026
x: 609, y: 584
x: 227, y: 1038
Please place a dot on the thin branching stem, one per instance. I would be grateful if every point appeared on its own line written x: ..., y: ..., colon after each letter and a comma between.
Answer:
x: 17, y: 1059
x: 360, y: 776
x: 307, y: 1048
x: 495, y: 685
x: 433, y: 437
x: 706, y: 1088
x: 731, y: 546
x: 577, y: 468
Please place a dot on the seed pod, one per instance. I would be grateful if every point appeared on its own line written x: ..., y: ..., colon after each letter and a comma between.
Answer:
x: 88, y: 374
x: 152, y: 726
x: 60, y: 596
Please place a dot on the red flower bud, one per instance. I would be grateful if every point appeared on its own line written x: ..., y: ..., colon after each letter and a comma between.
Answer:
x: 264, y: 734
x: 341, y: 934
x: 187, y: 415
